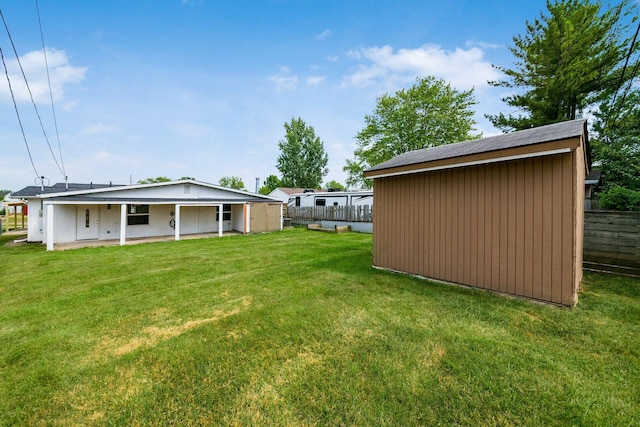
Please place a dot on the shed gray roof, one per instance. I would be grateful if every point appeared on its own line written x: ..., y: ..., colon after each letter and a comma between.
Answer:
x: 537, y: 135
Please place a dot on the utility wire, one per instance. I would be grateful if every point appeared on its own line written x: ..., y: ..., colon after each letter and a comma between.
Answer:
x: 53, y: 109
x: 633, y: 75
x: 30, y: 93
x: 6, y: 72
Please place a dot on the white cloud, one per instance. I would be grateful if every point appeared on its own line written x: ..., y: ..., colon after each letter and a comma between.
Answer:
x: 323, y: 35
x: 482, y: 45
x: 314, y: 80
x: 284, y: 82
x: 463, y: 68
x: 61, y: 74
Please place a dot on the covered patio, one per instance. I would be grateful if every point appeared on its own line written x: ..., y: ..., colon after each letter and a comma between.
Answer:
x: 122, y: 215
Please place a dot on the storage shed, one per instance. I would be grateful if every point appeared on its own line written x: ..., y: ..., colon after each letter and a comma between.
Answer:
x: 503, y: 213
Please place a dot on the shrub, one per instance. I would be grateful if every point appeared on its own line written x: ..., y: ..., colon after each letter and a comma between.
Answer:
x: 620, y: 199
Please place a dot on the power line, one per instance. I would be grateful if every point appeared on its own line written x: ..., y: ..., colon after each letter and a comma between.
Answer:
x: 24, y: 76
x: 53, y: 109
x: 15, y: 105
x: 633, y: 75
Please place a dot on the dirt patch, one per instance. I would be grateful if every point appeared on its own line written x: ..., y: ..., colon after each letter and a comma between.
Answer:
x: 153, y: 335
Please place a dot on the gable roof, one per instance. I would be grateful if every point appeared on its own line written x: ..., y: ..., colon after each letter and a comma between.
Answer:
x: 60, y: 187
x: 524, y: 138
x: 87, y: 192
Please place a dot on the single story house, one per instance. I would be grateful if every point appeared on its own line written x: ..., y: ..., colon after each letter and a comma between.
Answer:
x: 83, y: 212
x: 591, y: 182
x: 283, y: 193
x: 503, y: 213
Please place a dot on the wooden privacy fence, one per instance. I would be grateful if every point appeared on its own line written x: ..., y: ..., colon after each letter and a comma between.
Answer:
x: 306, y: 214
x: 612, y: 241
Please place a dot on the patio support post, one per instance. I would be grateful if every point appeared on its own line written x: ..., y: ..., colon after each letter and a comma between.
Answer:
x: 247, y: 218
x: 123, y: 224
x: 177, y: 224
x: 220, y: 219
x: 50, y: 230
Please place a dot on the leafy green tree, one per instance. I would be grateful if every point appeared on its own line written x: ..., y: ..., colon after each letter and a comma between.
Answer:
x: 335, y: 184
x: 154, y: 180
x: 187, y: 177
x: 271, y: 183
x: 428, y: 114
x: 3, y: 193
x: 567, y: 61
x: 616, y: 146
x: 232, y: 182
x: 303, y: 160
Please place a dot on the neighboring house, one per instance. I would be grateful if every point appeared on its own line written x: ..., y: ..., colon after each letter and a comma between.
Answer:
x: 283, y: 193
x: 81, y: 212
x: 590, y: 183
x: 503, y: 213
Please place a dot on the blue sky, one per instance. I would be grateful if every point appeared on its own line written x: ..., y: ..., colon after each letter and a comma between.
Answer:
x: 202, y: 88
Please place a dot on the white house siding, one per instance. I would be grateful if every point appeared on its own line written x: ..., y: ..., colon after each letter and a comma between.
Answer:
x: 237, y: 217
x: 35, y: 227
x: 198, y: 219
x: 174, y: 192
x: 109, y: 222
x: 64, y: 218
x: 280, y: 195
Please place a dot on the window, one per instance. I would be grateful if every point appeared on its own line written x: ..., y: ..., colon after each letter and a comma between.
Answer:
x: 321, y: 202
x: 87, y: 222
x: 297, y: 200
x: 226, y: 213
x: 137, y: 214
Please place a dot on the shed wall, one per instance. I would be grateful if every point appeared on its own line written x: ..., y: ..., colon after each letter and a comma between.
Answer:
x: 266, y: 217
x: 507, y: 227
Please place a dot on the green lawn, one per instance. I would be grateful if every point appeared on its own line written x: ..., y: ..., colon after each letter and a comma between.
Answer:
x: 296, y: 328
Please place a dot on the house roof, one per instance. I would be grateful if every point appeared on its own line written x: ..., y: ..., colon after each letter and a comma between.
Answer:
x: 594, y: 177
x: 524, y: 138
x: 60, y: 187
x: 97, y: 192
x: 289, y: 191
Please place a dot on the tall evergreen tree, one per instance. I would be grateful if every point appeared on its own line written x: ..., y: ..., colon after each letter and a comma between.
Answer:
x: 303, y: 160
x: 567, y: 61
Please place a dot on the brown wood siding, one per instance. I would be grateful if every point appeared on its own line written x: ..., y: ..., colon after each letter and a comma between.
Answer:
x: 508, y: 227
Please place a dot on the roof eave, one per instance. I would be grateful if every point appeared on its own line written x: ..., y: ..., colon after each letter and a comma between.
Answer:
x: 521, y: 152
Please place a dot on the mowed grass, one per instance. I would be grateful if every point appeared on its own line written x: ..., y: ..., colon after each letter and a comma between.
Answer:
x: 297, y: 328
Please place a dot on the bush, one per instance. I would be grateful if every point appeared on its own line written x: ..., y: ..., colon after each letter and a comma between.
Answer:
x: 620, y: 199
